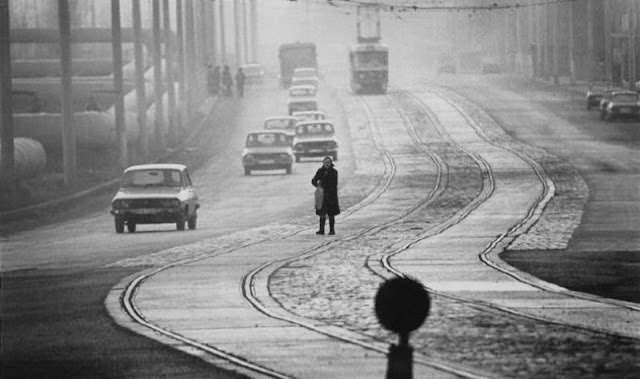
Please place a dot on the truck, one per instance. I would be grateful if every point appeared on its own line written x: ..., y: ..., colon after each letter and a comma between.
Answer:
x: 294, y: 55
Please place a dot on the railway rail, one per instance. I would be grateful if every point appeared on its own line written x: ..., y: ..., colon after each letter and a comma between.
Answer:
x: 255, y: 283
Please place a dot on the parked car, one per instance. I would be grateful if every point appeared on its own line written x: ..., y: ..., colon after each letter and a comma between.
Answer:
x: 309, y: 115
x: 302, y: 91
x: 267, y: 150
x: 604, y: 100
x: 622, y: 104
x: 302, y: 103
x: 286, y: 124
x: 154, y: 194
x: 254, y: 73
x: 315, y: 139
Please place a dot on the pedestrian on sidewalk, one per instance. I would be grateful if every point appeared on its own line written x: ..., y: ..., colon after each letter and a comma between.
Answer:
x: 227, y: 80
x: 326, y: 182
x: 240, y: 77
x: 213, y: 79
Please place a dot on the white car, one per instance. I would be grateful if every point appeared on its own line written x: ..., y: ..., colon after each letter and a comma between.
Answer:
x: 286, y: 124
x: 267, y: 150
x: 309, y: 115
x: 315, y: 139
x: 154, y: 194
x: 302, y: 91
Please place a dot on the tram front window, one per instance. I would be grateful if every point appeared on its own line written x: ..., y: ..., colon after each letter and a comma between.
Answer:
x: 371, y: 59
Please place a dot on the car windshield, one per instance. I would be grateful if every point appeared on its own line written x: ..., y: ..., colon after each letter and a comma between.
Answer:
x: 625, y: 97
x: 302, y: 91
x: 304, y: 81
x: 279, y: 123
x: 321, y: 129
x: 152, y: 178
x: 266, y: 139
x: 304, y: 72
x: 309, y: 116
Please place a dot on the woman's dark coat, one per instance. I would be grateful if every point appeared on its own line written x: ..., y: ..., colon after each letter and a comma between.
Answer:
x: 328, y: 178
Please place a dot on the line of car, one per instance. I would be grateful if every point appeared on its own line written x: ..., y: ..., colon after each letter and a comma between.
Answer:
x: 613, y: 103
x: 164, y: 193
x: 304, y: 132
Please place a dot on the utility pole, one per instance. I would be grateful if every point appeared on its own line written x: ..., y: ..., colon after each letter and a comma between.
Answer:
x: 254, y: 30
x: 211, y: 12
x: 223, y: 41
x: 607, y: 42
x: 8, y: 169
x: 141, y: 98
x: 203, y: 41
x: 237, y: 32
x: 158, y: 87
x: 245, y: 31
x: 556, y: 43
x: 572, y: 48
x: 633, y: 43
x: 182, y: 93
x: 190, y: 55
x: 116, y: 48
x: 591, y: 56
x: 169, y: 58
x: 68, y: 129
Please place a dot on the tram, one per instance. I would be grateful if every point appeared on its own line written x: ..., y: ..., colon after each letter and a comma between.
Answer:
x: 369, y: 67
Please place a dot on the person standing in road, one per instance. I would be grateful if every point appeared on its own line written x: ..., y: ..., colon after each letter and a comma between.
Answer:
x: 227, y: 80
x: 326, y: 179
x: 240, y: 77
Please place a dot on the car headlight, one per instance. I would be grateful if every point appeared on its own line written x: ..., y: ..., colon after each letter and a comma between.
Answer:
x: 121, y: 204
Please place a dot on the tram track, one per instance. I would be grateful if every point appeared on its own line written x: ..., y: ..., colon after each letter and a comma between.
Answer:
x: 257, y: 280
x: 249, y: 280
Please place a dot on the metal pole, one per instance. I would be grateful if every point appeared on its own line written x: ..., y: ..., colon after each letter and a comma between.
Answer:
x: 633, y: 42
x: 223, y: 40
x: 556, y: 43
x: 8, y: 169
x: 591, y: 57
x: 237, y: 32
x: 68, y: 130
x: 190, y: 55
x: 116, y: 46
x: 211, y: 17
x: 203, y: 41
x: 158, y: 87
x: 607, y: 41
x: 170, y: 60
x: 180, y: 61
x: 141, y: 98
x: 245, y: 31
x: 572, y: 48
x: 254, y: 30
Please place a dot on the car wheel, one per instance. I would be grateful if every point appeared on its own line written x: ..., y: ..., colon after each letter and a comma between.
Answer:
x: 131, y: 227
x: 180, y: 225
x: 119, y: 223
x: 192, y: 222
x: 288, y: 169
x: 247, y: 171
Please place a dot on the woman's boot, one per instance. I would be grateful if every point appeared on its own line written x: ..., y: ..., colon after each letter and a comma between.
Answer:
x: 322, y: 222
x: 332, y: 223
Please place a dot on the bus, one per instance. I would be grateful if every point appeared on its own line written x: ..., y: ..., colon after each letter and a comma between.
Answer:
x: 369, y: 68
x: 294, y: 55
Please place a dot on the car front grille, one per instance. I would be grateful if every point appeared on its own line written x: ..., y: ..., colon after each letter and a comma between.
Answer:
x: 149, y: 203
